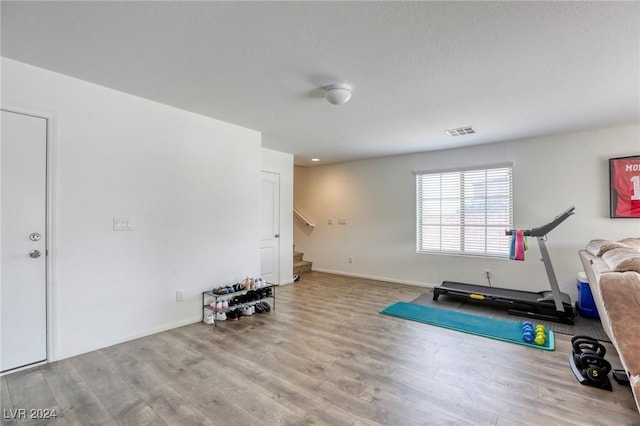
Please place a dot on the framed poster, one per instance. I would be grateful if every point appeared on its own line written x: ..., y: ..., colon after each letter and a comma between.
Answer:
x: 624, y: 183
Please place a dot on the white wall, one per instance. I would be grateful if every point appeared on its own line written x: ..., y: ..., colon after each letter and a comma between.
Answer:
x: 377, y: 199
x: 189, y: 182
x: 282, y: 164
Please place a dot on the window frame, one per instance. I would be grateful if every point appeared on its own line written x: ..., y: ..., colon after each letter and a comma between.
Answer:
x: 496, y: 241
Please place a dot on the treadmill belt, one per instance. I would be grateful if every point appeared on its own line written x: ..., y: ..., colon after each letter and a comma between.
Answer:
x: 492, y: 292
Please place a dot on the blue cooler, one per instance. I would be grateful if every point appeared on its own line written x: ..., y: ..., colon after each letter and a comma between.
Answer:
x: 585, y: 304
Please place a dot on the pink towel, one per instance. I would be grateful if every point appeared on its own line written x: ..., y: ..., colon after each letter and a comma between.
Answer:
x: 519, y: 246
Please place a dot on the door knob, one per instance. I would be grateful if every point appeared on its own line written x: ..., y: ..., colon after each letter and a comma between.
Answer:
x: 34, y: 236
x: 35, y: 254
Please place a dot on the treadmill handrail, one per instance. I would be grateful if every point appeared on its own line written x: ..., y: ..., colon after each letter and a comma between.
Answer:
x: 543, y: 230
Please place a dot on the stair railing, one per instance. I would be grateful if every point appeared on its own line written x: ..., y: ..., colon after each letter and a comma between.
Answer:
x: 304, y: 219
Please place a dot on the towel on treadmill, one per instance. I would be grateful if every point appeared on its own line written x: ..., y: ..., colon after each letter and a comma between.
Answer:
x: 517, y: 245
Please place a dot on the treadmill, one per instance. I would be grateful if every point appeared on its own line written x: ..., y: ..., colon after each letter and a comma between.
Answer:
x: 547, y: 305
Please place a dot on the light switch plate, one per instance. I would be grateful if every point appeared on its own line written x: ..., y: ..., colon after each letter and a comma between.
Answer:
x: 122, y: 224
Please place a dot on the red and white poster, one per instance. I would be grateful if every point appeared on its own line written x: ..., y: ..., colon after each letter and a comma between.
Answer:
x: 625, y: 186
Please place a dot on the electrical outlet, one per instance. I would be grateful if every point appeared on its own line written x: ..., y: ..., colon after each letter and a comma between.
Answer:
x: 179, y: 295
x: 350, y: 259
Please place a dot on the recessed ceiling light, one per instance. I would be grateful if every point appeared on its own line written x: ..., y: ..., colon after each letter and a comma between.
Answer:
x: 315, y: 159
x: 468, y: 130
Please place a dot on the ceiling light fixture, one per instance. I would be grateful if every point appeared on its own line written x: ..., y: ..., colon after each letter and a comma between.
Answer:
x: 315, y: 159
x: 338, y: 94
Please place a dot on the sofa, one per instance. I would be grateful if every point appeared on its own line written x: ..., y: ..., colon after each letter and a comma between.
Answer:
x: 613, y: 272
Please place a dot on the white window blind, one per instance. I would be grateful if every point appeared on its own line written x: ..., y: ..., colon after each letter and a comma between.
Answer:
x: 465, y: 211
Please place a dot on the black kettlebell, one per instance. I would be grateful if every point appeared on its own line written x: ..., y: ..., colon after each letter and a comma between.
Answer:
x: 597, y: 372
x: 586, y: 344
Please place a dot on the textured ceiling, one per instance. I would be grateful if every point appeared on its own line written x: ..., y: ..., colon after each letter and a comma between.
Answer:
x: 510, y: 69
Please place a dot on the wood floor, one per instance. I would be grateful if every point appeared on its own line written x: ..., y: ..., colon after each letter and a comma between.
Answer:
x: 324, y: 356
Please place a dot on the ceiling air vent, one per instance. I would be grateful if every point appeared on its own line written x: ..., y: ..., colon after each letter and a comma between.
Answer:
x: 461, y: 131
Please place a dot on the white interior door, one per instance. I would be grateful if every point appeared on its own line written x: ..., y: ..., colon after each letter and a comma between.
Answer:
x: 23, y: 290
x: 270, y: 227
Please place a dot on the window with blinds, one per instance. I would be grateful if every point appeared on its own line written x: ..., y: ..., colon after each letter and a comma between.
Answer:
x: 465, y: 211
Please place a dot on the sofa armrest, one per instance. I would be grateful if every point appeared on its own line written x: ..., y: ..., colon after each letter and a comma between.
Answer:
x: 621, y: 296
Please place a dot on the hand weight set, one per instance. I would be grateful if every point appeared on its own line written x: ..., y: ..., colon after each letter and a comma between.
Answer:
x: 537, y: 335
x: 588, y: 363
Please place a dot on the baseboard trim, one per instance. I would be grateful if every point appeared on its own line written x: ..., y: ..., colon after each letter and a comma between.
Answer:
x: 377, y: 278
x: 148, y: 332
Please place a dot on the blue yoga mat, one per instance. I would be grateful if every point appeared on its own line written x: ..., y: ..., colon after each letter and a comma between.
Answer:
x: 507, y: 331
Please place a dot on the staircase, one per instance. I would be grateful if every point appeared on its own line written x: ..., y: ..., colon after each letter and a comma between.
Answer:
x: 300, y: 265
